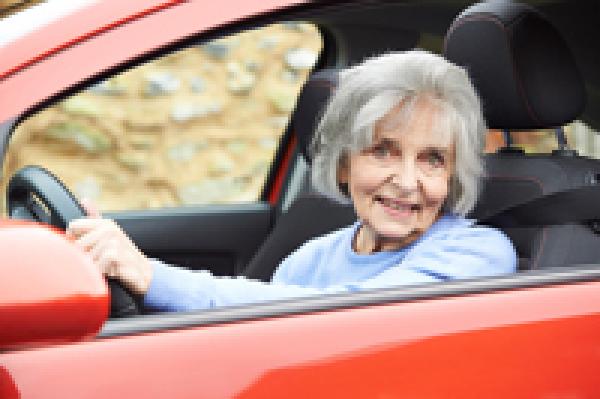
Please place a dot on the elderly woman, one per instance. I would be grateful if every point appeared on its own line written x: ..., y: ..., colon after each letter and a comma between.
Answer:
x: 401, y: 138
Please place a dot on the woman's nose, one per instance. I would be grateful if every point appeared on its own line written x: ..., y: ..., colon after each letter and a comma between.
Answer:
x: 405, y: 176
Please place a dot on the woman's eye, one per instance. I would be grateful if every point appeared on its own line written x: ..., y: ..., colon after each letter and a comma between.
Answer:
x: 435, y: 159
x: 380, y: 151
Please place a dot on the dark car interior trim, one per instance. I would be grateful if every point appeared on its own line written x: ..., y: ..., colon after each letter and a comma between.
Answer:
x: 6, y: 129
x: 223, y: 240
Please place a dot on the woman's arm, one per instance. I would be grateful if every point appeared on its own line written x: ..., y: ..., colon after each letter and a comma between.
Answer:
x: 466, y: 252
x: 176, y: 289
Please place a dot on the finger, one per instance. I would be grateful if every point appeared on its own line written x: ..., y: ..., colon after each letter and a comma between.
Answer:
x: 95, y: 251
x: 92, y: 238
x: 78, y: 227
x: 107, y: 263
x: 105, y: 267
x: 90, y: 208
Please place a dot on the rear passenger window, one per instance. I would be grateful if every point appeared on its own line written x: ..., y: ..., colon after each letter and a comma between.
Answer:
x: 198, y: 126
x: 580, y: 136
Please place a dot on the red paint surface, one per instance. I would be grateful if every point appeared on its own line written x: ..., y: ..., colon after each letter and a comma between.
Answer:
x: 50, y: 291
x: 531, y: 343
x: 74, y: 28
x: 117, y: 34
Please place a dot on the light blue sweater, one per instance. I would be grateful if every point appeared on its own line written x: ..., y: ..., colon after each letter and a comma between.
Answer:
x: 452, y: 248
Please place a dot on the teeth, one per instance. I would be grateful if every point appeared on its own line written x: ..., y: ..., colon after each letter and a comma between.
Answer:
x: 397, y: 205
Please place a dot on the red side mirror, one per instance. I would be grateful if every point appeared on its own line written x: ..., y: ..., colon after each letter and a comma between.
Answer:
x: 50, y: 292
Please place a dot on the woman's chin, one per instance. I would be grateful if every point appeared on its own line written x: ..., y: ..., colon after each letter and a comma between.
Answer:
x: 397, y: 236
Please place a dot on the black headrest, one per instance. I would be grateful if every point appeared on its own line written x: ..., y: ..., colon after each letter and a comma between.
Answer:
x: 523, y: 69
x: 312, y: 101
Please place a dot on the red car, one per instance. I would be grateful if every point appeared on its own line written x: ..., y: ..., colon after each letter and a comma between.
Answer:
x: 534, y: 334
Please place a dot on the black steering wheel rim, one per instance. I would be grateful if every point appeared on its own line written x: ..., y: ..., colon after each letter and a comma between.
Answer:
x: 36, y: 194
x: 32, y: 188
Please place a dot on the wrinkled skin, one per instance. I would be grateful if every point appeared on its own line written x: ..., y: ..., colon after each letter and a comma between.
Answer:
x: 399, y: 184
x: 112, y: 250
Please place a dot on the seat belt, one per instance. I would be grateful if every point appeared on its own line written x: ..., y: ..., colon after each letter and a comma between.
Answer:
x: 578, y: 205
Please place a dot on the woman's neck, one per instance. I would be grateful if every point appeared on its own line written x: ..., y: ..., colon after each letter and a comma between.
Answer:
x: 368, y: 241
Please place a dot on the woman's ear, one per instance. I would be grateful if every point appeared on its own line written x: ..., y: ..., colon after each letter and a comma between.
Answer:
x: 343, y: 175
x: 343, y: 171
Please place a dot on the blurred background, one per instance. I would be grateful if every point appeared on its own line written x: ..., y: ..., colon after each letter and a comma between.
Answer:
x: 197, y: 126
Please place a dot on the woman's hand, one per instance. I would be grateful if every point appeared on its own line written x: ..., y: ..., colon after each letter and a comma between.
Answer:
x: 111, y: 250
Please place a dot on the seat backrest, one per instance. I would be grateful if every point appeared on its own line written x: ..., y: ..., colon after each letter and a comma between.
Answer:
x: 311, y: 214
x: 516, y: 179
x: 527, y: 79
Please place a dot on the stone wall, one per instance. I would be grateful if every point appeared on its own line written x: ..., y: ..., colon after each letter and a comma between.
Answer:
x: 197, y: 126
x: 8, y: 7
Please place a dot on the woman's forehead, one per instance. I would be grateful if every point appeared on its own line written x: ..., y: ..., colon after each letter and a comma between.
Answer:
x: 420, y: 119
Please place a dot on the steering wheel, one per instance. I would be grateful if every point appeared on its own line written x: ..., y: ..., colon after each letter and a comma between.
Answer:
x: 36, y: 194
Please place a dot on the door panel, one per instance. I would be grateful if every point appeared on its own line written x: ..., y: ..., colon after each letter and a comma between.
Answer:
x: 219, y: 238
x: 526, y: 343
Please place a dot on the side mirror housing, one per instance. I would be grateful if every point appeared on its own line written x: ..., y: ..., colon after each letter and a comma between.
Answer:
x: 50, y: 290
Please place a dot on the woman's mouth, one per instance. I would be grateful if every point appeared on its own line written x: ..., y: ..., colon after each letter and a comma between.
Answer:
x: 398, y: 208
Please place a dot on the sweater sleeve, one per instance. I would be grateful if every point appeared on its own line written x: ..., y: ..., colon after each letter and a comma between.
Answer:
x: 464, y: 253
x: 176, y: 289
x: 467, y: 252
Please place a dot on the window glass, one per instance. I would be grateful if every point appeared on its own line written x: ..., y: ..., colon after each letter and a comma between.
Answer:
x: 580, y: 137
x: 198, y: 126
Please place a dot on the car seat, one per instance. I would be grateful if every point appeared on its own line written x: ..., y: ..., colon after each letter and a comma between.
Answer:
x: 311, y: 214
x: 527, y: 79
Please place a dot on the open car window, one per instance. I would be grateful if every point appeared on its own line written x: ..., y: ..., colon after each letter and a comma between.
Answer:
x: 198, y: 126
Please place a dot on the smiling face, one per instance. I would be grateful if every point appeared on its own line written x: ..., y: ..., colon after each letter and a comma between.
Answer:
x: 399, y: 184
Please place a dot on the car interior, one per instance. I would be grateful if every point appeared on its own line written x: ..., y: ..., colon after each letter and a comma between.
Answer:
x: 533, y: 69
x: 528, y: 79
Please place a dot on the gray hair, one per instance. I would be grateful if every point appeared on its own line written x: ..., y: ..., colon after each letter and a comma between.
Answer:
x: 368, y: 91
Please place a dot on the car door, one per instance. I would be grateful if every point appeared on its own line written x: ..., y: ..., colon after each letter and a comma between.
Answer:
x: 527, y: 336
x: 187, y: 151
x: 533, y: 334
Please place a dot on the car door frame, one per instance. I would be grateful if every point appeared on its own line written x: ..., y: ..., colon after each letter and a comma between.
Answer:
x: 218, y: 238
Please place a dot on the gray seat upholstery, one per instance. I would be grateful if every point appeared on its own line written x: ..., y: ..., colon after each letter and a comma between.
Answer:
x: 527, y: 79
x: 311, y: 214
